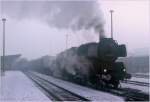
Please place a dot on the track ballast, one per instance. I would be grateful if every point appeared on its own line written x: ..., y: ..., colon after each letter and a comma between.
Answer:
x: 127, y: 93
x: 53, y: 91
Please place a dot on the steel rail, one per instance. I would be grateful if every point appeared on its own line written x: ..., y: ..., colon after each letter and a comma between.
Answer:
x: 58, y: 97
x: 127, y: 93
x: 136, y: 83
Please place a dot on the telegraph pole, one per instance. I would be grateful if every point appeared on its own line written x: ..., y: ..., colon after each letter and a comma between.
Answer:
x: 66, y: 41
x: 111, y: 12
x: 3, y: 57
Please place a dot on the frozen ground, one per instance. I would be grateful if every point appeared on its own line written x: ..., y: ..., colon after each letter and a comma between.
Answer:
x: 143, y: 73
x: 140, y: 79
x: 90, y: 94
x: 142, y: 88
x: 15, y: 86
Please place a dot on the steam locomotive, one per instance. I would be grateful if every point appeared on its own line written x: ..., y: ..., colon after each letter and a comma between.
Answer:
x: 92, y: 63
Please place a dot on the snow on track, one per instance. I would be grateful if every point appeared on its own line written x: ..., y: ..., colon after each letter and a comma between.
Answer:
x: 140, y: 79
x: 15, y: 86
x: 142, y: 88
x: 88, y: 93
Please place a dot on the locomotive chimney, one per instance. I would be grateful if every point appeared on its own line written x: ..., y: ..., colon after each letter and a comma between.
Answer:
x: 111, y: 12
x: 101, y: 34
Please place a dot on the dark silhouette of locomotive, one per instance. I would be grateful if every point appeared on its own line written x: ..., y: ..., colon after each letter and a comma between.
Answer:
x: 92, y: 63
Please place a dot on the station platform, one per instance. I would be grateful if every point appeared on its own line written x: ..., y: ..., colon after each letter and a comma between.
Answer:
x: 17, y: 87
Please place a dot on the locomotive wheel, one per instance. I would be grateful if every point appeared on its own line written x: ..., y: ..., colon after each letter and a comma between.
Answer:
x: 80, y: 80
x: 115, y: 83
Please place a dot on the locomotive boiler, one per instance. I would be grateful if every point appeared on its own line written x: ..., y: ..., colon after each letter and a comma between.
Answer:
x: 92, y: 63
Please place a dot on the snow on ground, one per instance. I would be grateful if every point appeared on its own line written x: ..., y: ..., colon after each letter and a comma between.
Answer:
x: 15, y: 86
x: 142, y: 88
x: 143, y: 74
x: 88, y: 93
x: 140, y: 79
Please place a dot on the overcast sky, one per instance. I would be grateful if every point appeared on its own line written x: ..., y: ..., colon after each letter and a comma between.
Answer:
x: 35, y: 29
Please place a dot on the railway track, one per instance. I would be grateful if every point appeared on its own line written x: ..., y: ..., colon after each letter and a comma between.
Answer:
x: 136, y: 83
x: 127, y: 93
x: 140, y: 76
x: 53, y: 91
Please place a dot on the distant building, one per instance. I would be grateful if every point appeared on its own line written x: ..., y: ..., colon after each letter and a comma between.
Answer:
x: 10, y: 61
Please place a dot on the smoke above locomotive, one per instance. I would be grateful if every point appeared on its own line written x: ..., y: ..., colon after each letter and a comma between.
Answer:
x: 74, y: 15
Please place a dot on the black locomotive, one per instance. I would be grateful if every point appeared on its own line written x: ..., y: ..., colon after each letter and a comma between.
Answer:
x: 92, y: 63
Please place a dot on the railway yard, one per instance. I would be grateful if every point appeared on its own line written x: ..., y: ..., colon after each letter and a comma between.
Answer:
x: 47, y: 88
x: 74, y: 50
x: 126, y: 93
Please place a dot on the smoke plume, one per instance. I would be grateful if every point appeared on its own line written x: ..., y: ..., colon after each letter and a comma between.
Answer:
x: 75, y: 15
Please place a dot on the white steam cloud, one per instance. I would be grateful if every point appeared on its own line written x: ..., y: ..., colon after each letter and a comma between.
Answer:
x: 75, y: 15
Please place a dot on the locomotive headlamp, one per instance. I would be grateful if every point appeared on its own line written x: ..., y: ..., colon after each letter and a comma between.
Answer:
x: 124, y: 70
x: 105, y: 70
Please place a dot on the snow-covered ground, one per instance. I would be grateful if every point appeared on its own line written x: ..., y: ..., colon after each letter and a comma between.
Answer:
x: 146, y: 80
x: 142, y: 88
x: 15, y: 86
x: 88, y: 93
x: 143, y: 74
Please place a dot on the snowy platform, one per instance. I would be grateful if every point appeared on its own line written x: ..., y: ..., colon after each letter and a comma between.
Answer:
x: 15, y: 86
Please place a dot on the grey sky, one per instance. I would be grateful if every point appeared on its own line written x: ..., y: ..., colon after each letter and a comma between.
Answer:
x: 131, y: 22
x: 38, y: 28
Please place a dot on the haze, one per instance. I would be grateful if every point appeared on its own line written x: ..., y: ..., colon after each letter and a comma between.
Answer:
x: 34, y: 34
